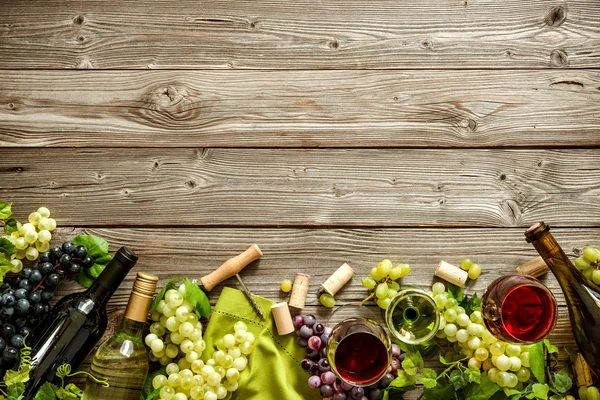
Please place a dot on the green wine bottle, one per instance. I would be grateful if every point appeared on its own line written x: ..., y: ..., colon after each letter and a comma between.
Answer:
x: 122, y: 360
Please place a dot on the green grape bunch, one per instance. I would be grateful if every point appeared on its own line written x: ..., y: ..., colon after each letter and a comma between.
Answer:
x: 382, y: 282
x: 34, y: 237
x: 589, y: 264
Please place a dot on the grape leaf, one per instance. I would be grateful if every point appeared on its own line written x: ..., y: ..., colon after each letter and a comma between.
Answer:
x: 473, y: 375
x: 98, y: 250
x: 19, y: 376
x: 471, y: 303
x: 481, y: 391
x: 562, y: 381
x: 412, y: 363
x: 551, y: 348
x: 455, y: 292
x: 5, y: 266
x: 458, y: 379
x: 15, y: 391
x: 539, y: 391
x: 428, y: 378
x: 537, y: 361
x: 152, y: 395
x: 11, y: 225
x: 445, y: 392
x: 7, y: 247
x: 46, y: 392
x: 403, y: 380
x: 5, y: 210
x: 172, y: 284
x: 198, y: 298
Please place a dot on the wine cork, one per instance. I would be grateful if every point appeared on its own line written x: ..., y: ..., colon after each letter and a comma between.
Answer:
x: 299, y: 291
x: 339, y: 278
x: 452, y: 274
x: 283, y: 318
x: 583, y: 371
x: 536, y: 267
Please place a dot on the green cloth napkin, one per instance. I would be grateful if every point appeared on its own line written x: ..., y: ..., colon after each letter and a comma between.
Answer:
x: 273, y: 370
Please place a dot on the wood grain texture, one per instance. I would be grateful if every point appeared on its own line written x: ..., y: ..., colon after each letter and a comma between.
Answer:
x: 300, y: 108
x: 330, y: 34
x: 266, y: 187
x: 171, y: 252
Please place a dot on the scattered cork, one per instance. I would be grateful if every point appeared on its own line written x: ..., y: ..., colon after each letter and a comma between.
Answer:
x: 536, y: 267
x: 339, y: 278
x: 451, y: 273
x: 299, y: 291
x: 283, y: 318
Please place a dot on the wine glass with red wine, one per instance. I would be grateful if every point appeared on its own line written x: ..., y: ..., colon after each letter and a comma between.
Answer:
x: 359, y: 351
x: 519, y: 309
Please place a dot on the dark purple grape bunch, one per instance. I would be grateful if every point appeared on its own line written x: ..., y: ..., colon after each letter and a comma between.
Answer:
x: 64, y: 261
x: 314, y: 336
x: 373, y: 392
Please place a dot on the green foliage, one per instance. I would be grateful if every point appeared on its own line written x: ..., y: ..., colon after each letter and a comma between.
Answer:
x: 172, y: 284
x: 455, y: 292
x: 198, y: 298
x: 5, y: 266
x: 537, y: 362
x: 7, y: 247
x: 46, y: 392
x: 471, y: 303
x: 98, y: 250
x: 11, y: 225
x: 148, y: 392
x: 5, y: 210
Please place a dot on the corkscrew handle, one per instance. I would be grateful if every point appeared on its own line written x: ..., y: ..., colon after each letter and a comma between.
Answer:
x: 231, y: 267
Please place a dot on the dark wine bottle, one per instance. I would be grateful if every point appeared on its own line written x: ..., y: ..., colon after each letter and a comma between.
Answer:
x: 76, y: 324
x: 583, y: 296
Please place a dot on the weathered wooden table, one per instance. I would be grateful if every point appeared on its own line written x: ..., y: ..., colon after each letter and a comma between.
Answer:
x: 325, y: 131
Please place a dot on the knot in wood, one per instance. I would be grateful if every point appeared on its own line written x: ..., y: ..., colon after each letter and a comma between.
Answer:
x: 334, y: 44
x: 169, y: 106
x: 556, y: 16
x: 79, y: 20
x: 559, y: 58
x: 427, y: 44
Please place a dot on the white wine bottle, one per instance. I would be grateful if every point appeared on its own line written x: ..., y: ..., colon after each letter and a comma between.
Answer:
x: 123, y: 360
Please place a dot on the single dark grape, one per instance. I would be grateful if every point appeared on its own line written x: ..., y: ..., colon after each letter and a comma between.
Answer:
x: 10, y: 354
x: 306, y: 332
x: 318, y: 329
x: 53, y: 280
x: 7, y: 331
x: 16, y: 341
x: 357, y: 393
x: 386, y: 380
x: 80, y: 252
x: 312, y: 353
x: 38, y: 309
x: 74, y: 268
x: 9, y: 299
x: 47, y: 295
x: 23, y: 306
x: 2, y: 344
x: 36, y: 277
x: 307, y: 364
x: 68, y: 248
x: 20, y: 322
x: 56, y: 252
x: 35, y: 297
x: 324, y: 365
x: 5, y: 287
x: 374, y: 394
x: 309, y: 320
x: 7, y: 312
x: 9, y: 291
x: 87, y: 262
x: 21, y: 294
x: 47, y: 268
x: 61, y: 273
x: 32, y: 321
x: 65, y: 261
x: 46, y: 257
x: 24, y: 331
x: 326, y: 390
x: 26, y: 272
x: 25, y: 284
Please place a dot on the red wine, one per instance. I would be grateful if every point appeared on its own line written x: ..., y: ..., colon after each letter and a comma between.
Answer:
x: 77, y: 322
x: 518, y: 308
x: 361, y: 357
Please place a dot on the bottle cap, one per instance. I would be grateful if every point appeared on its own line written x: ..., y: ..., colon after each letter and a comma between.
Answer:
x: 141, y: 297
x: 536, y: 267
x: 283, y: 318
x: 299, y: 290
x: 535, y: 231
x: 452, y: 274
x: 339, y: 278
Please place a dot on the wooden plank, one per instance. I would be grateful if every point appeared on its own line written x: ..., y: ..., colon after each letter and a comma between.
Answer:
x: 264, y: 187
x: 301, y: 34
x: 175, y: 252
x: 300, y: 108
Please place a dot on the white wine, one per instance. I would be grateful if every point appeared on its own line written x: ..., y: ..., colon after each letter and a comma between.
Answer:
x: 123, y: 359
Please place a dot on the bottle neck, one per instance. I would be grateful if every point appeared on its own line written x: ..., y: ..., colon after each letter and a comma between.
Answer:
x: 131, y: 328
x: 100, y: 294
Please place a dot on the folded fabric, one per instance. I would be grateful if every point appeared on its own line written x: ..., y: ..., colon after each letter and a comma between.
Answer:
x: 273, y: 370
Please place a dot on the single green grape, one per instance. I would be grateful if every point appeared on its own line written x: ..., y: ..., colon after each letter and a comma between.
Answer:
x: 582, y: 263
x: 438, y: 288
x: 475, y: 271
x: 523, y: 375
x: 440, y: 300
x: 405, y: 270
x: 452, y: 303
x: 497, y: 348
x: 593, y: 393
x: 591, y: 253
x: 394, y: 285
x: 381, y: 291
x: 368, y: 282
x: 596, y: 276
x: 588, y: 273
x: 384, y: 268
x: 463, y: 320
x: 450, y: 315
x: 462, y: 336
x: 466, y: 264
x: 34, y: 218
x: 515, y: 363
x: 384, y: 303
x: 482, y: 354
x: 375, y: 274
x: 396, y: 272
x: 286, y: 285
x: 327, y: 300
x: 513, y: 350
